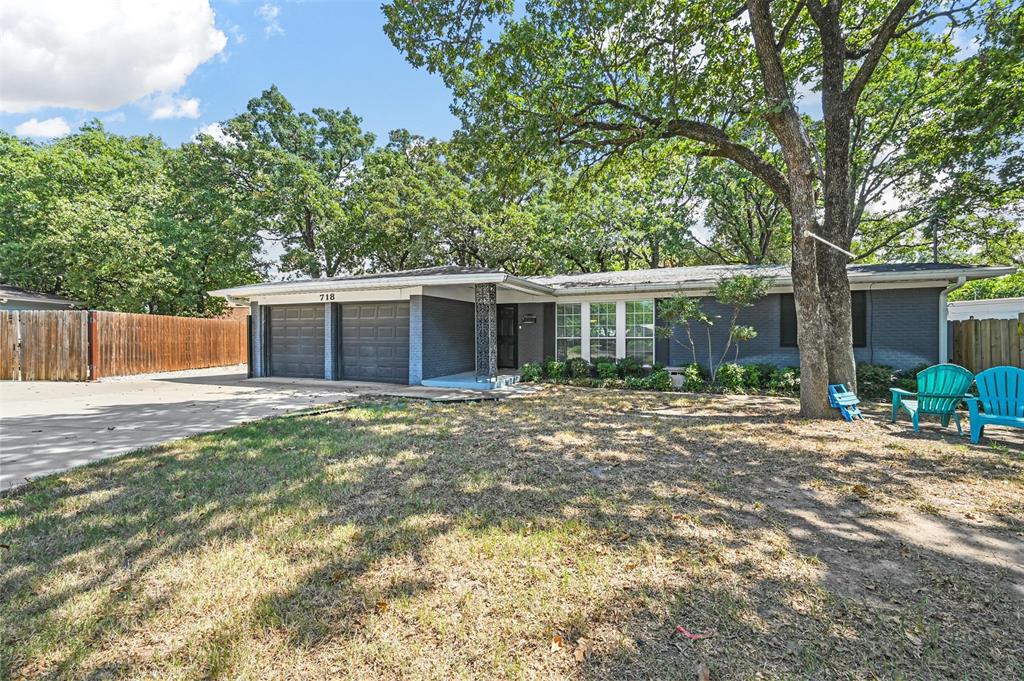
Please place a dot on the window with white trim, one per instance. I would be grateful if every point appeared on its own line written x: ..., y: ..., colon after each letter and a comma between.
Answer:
x: 602, y: 331
x: 568, y: 331
x: 640, y: 330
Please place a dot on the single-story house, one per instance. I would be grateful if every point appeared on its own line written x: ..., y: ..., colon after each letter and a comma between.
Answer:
x: 15, y: 298
x: 989, y: 308
x: 462, y: 326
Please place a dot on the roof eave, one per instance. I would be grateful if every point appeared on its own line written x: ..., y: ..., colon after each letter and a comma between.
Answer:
x: 382, y: 283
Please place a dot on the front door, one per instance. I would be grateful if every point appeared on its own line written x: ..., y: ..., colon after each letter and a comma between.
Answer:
x: 508, y: 334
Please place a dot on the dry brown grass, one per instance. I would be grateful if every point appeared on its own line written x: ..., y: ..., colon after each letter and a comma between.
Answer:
x: 563, y: 535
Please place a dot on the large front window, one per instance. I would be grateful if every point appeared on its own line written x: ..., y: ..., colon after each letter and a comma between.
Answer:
x: 605, y: 330
x: 640, y: 330
x: 602, y: 331
x: 568, y: 331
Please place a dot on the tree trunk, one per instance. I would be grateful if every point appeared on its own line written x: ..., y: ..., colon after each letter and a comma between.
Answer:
x: 833, y: 280
x: 798, y: 153
x: 810, y: 317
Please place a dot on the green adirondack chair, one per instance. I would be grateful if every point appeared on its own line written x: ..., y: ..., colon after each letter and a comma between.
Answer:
x: 940, y: 389
x: 1001, y: 393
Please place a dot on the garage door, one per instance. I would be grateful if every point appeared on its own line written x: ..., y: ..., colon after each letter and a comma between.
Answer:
x: 375, y: 342
x: 297, y: 341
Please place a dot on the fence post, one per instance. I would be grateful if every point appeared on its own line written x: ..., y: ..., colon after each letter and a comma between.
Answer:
x: 94, y: 347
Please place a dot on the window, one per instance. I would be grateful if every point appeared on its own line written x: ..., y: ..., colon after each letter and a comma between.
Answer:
x: 568, y: 331
x: 787, y: 319
x: 640, y: 330
x: 602, y: 331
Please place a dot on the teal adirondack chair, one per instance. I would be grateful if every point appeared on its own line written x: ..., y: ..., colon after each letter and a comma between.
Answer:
x: 1001, y: 393
x: 939, y: 390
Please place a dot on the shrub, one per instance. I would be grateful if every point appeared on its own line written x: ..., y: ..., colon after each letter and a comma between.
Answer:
x: 554, y: 369
x: 578, y: 367
x: 755, y: 376
x: 612, y: 383
x: 873, y: 380
x: 730, y: 377
x: 629, y: 367
x: 907, y: 378
x: 658, y: 380
x: 531, y: 372
x: 694, y: 379
x: 784, y: 380
x: 636, y: 382
x: 607, y: 370
x: 584, y: 382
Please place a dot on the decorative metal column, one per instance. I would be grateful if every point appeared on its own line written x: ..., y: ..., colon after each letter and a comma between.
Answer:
x: 486, y: 331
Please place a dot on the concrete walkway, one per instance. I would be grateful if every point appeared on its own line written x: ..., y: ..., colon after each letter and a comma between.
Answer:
x: 46, y: 427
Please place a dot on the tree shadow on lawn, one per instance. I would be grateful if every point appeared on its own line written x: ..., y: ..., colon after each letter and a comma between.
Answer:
x: 437, y: 540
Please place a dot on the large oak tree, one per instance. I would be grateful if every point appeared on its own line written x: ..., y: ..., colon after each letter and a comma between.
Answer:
x: 582, y: 81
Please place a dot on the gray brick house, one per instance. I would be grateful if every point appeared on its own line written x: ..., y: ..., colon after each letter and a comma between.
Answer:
x: 468, y: 326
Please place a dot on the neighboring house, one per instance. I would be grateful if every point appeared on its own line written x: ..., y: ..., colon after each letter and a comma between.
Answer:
x: 14, y: 298
x: 992, y: 308
x: 447, y: 325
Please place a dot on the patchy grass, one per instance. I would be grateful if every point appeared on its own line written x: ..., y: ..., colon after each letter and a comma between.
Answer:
x: 563, y: 535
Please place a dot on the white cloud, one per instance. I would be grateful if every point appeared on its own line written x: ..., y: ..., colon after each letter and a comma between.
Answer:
x: 216, y: 132
x: 166, y: 106
x: 270, y: 12
x: 236, y: 33
x: 99, y: 56
x: 51, y: 127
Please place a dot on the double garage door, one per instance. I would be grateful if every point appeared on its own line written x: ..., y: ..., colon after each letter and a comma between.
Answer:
x: 372, y: 339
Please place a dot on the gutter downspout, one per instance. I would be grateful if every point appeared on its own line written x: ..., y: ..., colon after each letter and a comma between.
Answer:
x: 944, y: 318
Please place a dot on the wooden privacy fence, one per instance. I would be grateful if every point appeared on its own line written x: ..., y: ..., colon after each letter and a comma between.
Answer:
x: 980, y: 344
x: 71, y: 345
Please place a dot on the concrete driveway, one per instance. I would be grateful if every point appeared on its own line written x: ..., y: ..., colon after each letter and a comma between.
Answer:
x: 46, y: 427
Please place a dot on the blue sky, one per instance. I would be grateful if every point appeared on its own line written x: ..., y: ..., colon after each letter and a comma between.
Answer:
x: 326, y: 53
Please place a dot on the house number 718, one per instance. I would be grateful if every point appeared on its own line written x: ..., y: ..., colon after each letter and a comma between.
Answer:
x: 326, y: 296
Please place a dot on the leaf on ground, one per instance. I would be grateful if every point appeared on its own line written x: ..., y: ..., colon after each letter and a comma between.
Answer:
x: 382, y: 606
x: 703, y: 673
x: 557, y: 643
x: 861, y: 491
x: 582, y: 650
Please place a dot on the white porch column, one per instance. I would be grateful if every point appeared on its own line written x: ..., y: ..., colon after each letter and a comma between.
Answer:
x: 585, y: 331
x: 620, y: 329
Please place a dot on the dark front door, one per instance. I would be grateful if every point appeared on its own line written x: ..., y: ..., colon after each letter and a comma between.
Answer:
x: 508, y: 334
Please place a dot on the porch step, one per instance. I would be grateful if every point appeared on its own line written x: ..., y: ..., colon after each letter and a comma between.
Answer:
x: 467, y: 381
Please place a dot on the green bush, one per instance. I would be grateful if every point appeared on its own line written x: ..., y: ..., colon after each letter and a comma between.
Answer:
x: 531, y: 372
x: 554, y: 369
x: 784, y: 380
x: 630, y: 367
x: 578, y: 367
x: 907, y: 378
x: 730, y: 377
x: 612, y: 383
x: 607, y: 370
x: 694, y: 379
x: 755, y: 376
x: 658, y: 380
x: 873, y: 381
x: 636, y: 382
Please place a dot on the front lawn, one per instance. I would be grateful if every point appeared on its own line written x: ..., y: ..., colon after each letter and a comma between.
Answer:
x: 566, y: 534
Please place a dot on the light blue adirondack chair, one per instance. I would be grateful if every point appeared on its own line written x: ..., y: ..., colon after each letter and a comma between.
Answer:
x: 1001, y: 393
x: 940, y: 389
